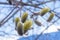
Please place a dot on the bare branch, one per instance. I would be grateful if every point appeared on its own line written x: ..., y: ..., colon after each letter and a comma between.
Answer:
x: 4, y: 21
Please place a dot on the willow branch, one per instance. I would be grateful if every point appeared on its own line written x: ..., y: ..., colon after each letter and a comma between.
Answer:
x: 9, y: 17
x: 27, y: 4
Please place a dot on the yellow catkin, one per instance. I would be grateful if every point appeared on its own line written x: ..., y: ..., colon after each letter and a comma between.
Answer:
x: 27, y: 25
x: 17, y: 19
x: 50, y: 17
x: 20, y: 28
x: 44, y: 11
x: 24, y: 17
x: 37, y: 23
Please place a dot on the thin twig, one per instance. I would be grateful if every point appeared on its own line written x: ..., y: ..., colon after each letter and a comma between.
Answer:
x: 10, y: 17
x: 26, y: 4
x: 6, y: 17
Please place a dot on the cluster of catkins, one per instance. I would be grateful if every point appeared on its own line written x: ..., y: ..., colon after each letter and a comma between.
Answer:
x: 22, y: 24
x: 42, y: 13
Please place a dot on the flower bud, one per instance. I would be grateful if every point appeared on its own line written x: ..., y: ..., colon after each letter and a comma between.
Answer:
x: 24, y: 17
x: 50, y: 17
x: 17, y: 20
x: 20, y: 28
x: 27, y: 25
x: 44, y: 11
x: 37, y: 23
